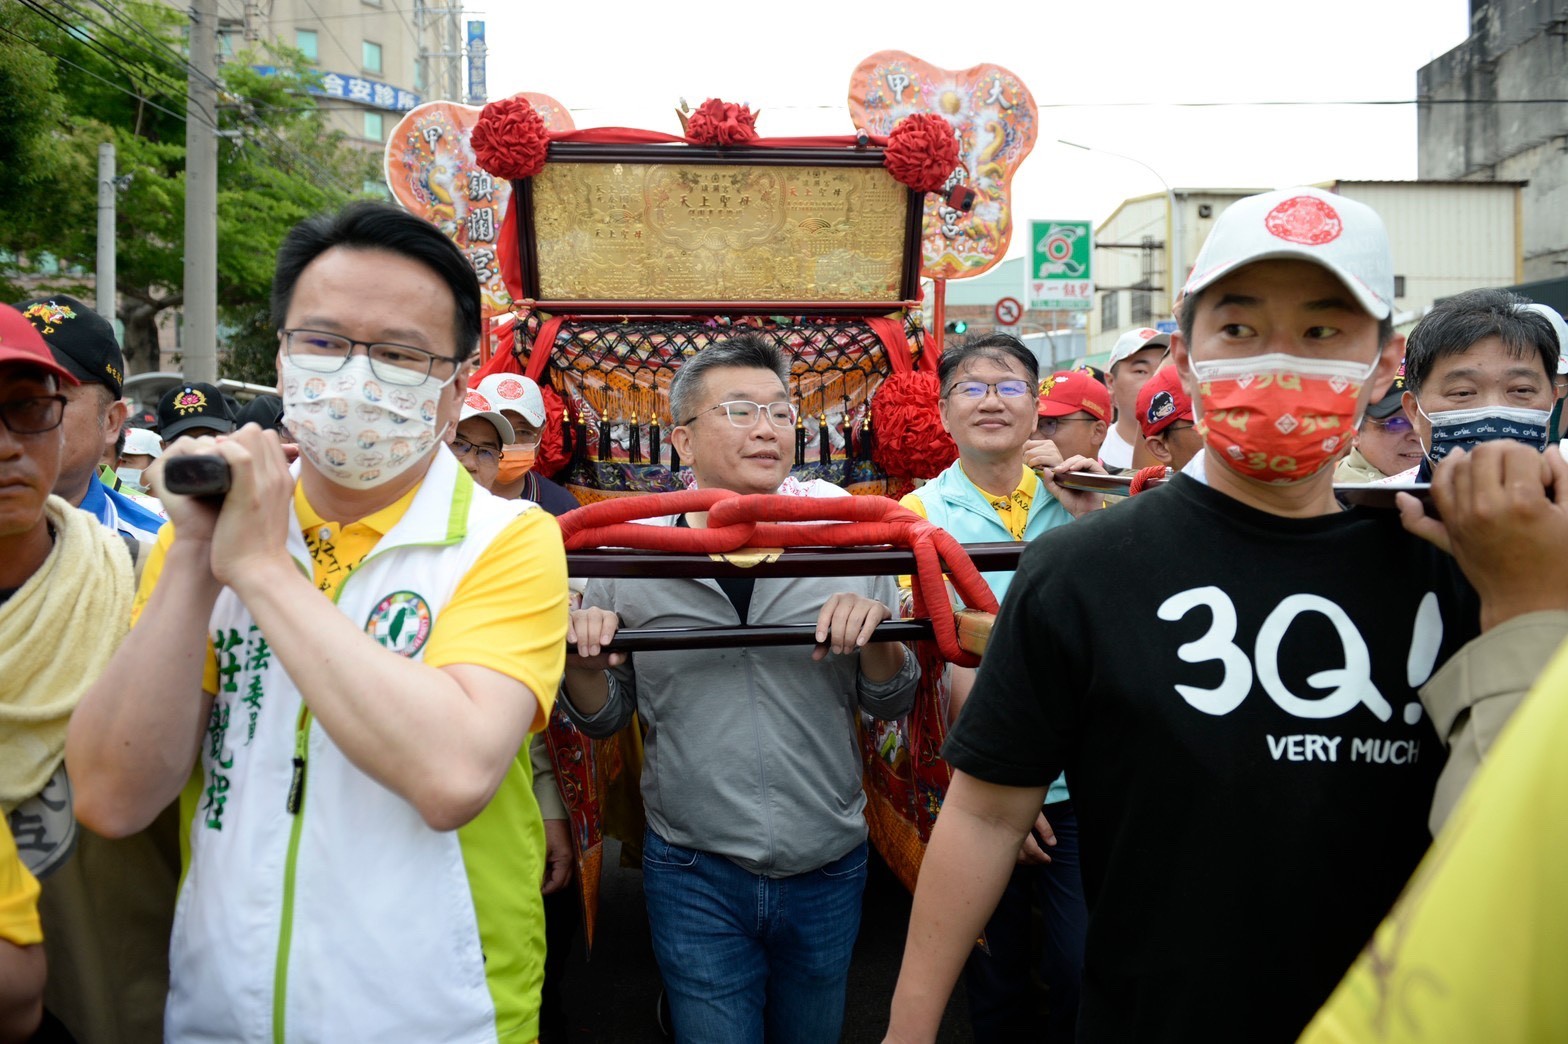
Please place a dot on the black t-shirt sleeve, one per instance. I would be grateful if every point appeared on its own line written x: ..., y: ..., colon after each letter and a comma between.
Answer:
x: 1017, y: 725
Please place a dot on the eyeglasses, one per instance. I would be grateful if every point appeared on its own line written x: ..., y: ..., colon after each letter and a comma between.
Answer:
x: 744, y: 414
x: 1395, y: 425
x: 525, y: 439
x: 33, y: 416
x: 1047, y: 425
x: 322, y: 352
x: 461, y: 448
x: 979, y: 389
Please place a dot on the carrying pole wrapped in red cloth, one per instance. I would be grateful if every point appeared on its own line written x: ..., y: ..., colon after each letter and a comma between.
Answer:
x: 736, y: 521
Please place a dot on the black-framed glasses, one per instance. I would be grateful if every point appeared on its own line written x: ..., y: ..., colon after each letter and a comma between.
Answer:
x: 1396, y: 424
x: 34, y: 415
x: 1047, y: 425
x: 975, y: 390
x: 461, y: 448
x: 744, y: 414
x: 322, y: 352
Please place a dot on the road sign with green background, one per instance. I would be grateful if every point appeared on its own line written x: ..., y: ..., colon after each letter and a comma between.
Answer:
x: 1060, y: 255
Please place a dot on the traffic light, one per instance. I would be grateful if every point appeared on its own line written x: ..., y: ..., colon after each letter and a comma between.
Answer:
x: 957, y: 326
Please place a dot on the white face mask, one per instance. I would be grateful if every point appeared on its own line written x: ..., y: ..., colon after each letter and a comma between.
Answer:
x: 131, y: 478
x: 356, y: 430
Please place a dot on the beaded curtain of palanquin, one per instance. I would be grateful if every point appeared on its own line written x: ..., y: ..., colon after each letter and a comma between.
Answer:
x: 614, y: 375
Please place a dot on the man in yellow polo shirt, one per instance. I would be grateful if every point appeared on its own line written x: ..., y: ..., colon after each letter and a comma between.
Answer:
x: 352, y: 656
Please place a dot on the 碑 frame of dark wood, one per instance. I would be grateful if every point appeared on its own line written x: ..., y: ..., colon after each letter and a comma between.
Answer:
x: 576, y: 152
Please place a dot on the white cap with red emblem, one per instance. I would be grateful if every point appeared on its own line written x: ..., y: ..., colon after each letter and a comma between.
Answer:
x: 476, y: 404
x: 1308, y: 224
x: 513, y: 391
x: 1136, y: 340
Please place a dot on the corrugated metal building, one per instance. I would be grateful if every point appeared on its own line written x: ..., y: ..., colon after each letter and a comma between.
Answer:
x: 1446, y: 236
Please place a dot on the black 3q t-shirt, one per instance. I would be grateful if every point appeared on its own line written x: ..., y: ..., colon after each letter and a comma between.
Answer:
x: 1233, y: 698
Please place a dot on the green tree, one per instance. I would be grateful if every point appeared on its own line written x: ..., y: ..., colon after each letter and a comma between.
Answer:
x: 72, y: 77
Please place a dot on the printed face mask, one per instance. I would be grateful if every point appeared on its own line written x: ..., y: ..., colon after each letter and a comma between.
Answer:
x: 1467, y: 429
x: 356, y: 430
x: 516, y: 460
x: 132, y: 477
x: 1278, y: 418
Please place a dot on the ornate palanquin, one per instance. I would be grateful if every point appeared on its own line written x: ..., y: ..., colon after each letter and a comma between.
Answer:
x: 608, y: 256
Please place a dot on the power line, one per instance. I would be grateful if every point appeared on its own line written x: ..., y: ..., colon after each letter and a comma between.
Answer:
x: 110, y: 55
x: 1296, y: 103
x: 1299, y: 103
x: 334, y: 36
x: 81, y: 34
x: 155, y: 55
x: 66, y: 61
x: 164, y: 46
x: 291, y: 155
x: 371, y: 12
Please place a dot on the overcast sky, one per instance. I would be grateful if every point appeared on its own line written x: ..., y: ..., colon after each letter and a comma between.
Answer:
x: 1103, y: 74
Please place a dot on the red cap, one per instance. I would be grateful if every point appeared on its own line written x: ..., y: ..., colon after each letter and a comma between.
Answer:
x: 1161, y: 401
x: 20, y: 341
x: 1069, y: 391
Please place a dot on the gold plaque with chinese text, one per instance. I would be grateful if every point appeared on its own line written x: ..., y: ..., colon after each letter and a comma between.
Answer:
x: 610, y: 231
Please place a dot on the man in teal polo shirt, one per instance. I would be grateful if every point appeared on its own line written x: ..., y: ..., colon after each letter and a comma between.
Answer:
x: 989, y: 388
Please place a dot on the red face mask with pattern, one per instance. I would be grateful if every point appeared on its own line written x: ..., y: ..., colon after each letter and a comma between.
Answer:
x: 1279, y: 418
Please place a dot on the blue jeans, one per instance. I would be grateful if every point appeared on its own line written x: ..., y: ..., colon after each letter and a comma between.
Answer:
x: 1003, y: 1000
x: 751, y: 958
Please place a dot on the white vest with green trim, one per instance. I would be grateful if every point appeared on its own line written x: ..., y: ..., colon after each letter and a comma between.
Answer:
x: 330, y: 911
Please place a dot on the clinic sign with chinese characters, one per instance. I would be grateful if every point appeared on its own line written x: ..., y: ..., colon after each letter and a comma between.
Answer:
x: 1059, y: 265
x: 355, y: 89
x: 477, y: 52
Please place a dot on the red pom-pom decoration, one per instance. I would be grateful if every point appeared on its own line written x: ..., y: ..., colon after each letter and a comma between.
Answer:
x: 910, y: 439
x: 721, y: 123
x: 551, y: 456
x: 922, y: 152
x: 510, y: 140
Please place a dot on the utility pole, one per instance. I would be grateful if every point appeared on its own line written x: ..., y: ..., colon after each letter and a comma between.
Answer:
x: 439, y: 35
x: 200, y: 341
x: 106, y: 275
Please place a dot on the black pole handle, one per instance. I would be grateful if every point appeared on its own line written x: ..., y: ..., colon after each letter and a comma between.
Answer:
x: 201, y: 475
x: 669, y: 639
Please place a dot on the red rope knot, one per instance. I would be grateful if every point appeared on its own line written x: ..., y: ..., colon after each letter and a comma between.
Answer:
x: 1141, y: 480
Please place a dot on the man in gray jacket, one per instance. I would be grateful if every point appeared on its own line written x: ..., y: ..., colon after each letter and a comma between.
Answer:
x: 755, y: 856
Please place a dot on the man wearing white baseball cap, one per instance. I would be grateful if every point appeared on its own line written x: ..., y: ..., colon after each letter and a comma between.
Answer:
x: 477, y: 440
x: 519, y: 400
x: 1132, y: 362
x: 142, y: 447
x: 1252, y: 776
